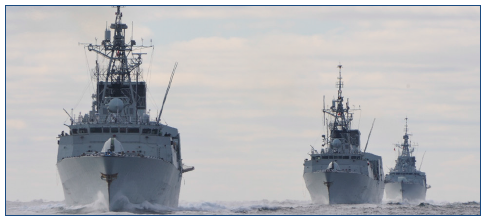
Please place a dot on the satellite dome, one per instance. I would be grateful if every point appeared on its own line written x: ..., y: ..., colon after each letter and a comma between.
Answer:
x: 336, y: 143
x: 115, y: 105
x: 113, y: 144
x: 333, y: 166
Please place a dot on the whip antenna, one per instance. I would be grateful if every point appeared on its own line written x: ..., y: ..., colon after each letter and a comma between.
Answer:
x: 369, y: 135
x: 422, y: 161
x: 168, y: 88
x: 72, y: 120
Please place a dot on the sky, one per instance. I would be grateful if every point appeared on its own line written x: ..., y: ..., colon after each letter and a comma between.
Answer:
x: 248, y: 91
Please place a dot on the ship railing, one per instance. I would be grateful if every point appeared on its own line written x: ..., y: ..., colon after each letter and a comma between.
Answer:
x: 337, y: 171
x: 115, y: 154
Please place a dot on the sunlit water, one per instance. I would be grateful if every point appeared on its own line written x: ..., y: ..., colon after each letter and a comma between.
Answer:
x: 262, y: 207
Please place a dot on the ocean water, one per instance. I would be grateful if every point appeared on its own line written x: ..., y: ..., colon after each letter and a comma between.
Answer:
x: 262, y: 207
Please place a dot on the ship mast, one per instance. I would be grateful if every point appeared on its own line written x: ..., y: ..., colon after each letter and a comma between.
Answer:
x: 342, y: 137
x: 406, y: 146
x: 118, y: 76
x: 340, y: 123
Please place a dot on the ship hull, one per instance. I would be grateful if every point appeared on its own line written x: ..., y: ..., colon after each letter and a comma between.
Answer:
x: 118, y: 181
x: 343, y: 188
x: 405, y: 192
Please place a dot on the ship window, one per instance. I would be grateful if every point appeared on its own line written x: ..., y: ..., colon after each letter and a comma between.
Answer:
x: 105, y: 129
x: 114, y: 130
x: 95, y: 129
x: 83, y: 130
x: 340, y: 157
x: 330, y: 157
x: 358, y: 157
x: 133, y: 130
x: 146, y: 131
x: 313, y: 158
x: 325, y: 157
x: 123, y: 130
x: 318, y: 158
x: 353, y: 157
x: 74, y: 131
x: 346, y: 157
x: 155, y: 131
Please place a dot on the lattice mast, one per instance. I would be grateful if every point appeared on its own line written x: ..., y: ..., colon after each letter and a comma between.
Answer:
x: 121, y: 70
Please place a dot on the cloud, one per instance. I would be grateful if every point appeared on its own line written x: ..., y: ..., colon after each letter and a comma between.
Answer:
x: 250, y: 82
x: 15, y: 124
x: 466, y: 161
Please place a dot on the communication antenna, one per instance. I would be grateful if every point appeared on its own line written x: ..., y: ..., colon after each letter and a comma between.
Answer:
x: 422, y: 161
x: 168, y: 88
x: 68, y: 115
x: 324, y: 110
x: 340, y: 84
x: 360, y: 115
x: 369, y: 135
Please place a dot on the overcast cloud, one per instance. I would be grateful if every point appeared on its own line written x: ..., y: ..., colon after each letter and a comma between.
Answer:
x: 247, y: 94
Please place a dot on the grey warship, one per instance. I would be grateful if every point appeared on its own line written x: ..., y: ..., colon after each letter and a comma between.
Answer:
x: 341, y: 173
x: 115, y: 154
x: 404, y: 182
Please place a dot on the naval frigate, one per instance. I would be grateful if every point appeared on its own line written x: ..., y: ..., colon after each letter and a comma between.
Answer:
x: 341, y: 173
x: 404, y: 182
x: 115, y: 154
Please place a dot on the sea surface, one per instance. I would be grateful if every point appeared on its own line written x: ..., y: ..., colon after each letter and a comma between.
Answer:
x: 262, y: 207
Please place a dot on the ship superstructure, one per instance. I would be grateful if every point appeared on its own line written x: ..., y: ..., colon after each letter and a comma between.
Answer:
x: 341, y: 173
x: 115, y: 153
x: 404, y: 182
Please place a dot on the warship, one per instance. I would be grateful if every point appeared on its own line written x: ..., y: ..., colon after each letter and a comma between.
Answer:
x: 404, y: 182
x: 115, y: 154
x: 341, y: 173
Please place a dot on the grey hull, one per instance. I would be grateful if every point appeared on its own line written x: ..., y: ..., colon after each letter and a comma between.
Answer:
x: 116, y: 181
x: 343, y: 188
x: 405, y: 192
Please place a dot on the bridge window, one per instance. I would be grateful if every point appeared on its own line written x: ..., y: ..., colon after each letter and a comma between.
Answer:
x: 114, y: 130
x: 133, y: 130
x: 146, y: 131
x: 353, y: 157
x: 74, y: 131
x: 325, y: 157
x: 95, y: 129
x: 155, y: 131
x: 83, y: 130
x: 105, y: 129
x: 123, y: 130
x: 346, y: 157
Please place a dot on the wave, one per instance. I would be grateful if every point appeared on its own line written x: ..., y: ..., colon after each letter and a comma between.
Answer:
x: 260, y: 207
